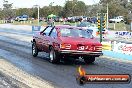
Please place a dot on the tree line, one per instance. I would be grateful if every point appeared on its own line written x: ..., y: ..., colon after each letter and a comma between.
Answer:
x: 72, y: 8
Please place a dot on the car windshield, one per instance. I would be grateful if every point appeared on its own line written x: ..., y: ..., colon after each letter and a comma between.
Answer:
x: 75, y: 33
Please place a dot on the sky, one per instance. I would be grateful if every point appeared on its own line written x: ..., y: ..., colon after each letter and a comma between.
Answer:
x: 30, y: 3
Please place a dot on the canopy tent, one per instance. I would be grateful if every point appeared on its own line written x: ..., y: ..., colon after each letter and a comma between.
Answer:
x: 51, y: 16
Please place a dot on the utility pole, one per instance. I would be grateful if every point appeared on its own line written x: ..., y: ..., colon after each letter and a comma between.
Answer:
x: 37, y: 6
x: 101, y: 28
x: 107, y: 16
x: 38, y: 15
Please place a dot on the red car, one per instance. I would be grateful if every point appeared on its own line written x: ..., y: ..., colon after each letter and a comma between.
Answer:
x: 66, y: 41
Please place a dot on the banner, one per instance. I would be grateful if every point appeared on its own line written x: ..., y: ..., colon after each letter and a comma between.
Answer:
x: 123, y: 34
x: 122, y: 48
x: 36, y: 28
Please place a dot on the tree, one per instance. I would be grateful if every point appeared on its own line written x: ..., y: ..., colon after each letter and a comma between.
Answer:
x: 92, y: 10
x: 7, y: 10
x: 24, y: 11
x: 74, y: 8
x: 67, y: 10
x: 116, y: 7
x: 1, y: 14
x: 79, y: 9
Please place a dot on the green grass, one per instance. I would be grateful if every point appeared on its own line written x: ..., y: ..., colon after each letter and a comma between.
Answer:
x: 118, y: 26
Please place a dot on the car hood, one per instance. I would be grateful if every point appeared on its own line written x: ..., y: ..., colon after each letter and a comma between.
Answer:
x: 77, y: 40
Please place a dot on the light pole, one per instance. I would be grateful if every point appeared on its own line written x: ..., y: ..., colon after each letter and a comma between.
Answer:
x: 107, y: 16
x: 38, y: 12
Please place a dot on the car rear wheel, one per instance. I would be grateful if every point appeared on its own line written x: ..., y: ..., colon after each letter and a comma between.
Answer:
x: 89, y: 59
x: 34, y: 49
x: 54, y: 58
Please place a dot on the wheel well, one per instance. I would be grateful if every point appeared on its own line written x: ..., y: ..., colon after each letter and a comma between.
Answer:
x: 34, y: 40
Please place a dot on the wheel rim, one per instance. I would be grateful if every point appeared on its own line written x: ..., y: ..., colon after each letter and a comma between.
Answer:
x: 52, y: 55
x: 34, y: 49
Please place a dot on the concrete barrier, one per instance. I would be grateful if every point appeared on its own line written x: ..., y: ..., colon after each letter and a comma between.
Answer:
x: 117, y: 55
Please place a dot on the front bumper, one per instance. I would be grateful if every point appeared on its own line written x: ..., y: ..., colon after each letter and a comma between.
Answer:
x: 75, y: 52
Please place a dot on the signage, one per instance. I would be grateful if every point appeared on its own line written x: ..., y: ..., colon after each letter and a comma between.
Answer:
x: 36, y: 28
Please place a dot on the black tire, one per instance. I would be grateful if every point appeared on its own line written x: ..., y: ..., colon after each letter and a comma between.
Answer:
x: 34, y: 49
x: 89, y: 60
x: 122, y: 21
x: 54, y: 58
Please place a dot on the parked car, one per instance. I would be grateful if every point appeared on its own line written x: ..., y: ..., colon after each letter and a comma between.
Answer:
x: 56, y: 19
x: 117, y: 19
x: 10, y: 20
x: 71, y: 19
x: 66, y: 41
x: 21, y: 18
x: 61, y: 19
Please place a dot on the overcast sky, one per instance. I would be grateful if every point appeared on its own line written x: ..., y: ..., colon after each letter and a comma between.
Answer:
x: 30, y: 3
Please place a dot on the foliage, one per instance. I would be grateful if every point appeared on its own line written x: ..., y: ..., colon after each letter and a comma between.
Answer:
x: 72, y: 8
x: 7, y: 10
x: 76, y: 8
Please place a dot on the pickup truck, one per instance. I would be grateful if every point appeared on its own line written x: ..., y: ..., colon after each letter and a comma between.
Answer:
x: 117, y: 19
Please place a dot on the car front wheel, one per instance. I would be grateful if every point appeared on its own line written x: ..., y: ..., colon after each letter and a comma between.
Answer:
x: 53, y: 56
x: 89, y: 59
x: 34, y: 49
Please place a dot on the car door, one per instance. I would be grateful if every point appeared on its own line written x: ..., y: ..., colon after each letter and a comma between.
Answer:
x: 46, y: 39
x: 54, y: 39
x: 38, y: 37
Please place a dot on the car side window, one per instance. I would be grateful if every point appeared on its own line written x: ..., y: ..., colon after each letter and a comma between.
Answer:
x: 53, y: 33
x: 47, y: 31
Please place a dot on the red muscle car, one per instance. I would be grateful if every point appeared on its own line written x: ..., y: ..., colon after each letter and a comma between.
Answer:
x: 66, y: 41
